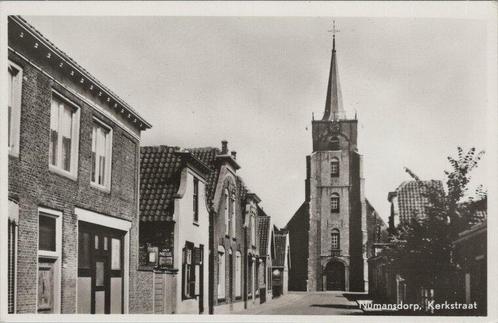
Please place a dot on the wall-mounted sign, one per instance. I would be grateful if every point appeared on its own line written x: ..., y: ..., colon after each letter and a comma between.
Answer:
x: 166, y: 257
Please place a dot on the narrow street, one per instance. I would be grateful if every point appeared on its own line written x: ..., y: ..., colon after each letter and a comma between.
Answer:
x: 309, y: 303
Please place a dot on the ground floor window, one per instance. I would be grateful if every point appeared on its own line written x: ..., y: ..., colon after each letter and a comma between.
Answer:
x: 221, y: 273
x: 12, y: 255
x: 49, y: 259
x: 188, y: 271
x: 238, y: 274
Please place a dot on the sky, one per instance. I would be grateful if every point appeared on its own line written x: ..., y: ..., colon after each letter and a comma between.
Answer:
x: 418, y: 86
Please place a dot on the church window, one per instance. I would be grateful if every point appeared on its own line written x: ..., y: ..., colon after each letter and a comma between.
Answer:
x: 334, y: 143
x: 335, y: 239
x: 334, y: 203
x: 334, y: 168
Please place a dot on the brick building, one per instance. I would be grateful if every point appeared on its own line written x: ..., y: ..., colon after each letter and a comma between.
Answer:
x: 174, y: 230
x: 235, y: 260
x: 334, y: 211
x: 73, y: 184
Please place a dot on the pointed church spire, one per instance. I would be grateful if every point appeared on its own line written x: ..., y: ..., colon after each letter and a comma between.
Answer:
x: 333, y: 103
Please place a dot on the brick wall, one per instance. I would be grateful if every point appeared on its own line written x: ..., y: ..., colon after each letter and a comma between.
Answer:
x: 31, y: 182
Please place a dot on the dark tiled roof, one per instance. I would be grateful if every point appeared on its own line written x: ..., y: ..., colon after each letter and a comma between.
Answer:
x: 208, y: 156
x: 263, y: 225
x: 280, y: 244
x: 160, y: 170
x: 412, y: 197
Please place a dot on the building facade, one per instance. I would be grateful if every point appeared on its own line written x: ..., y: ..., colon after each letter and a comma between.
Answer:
x: 73, y: 184
x: 280, y: 263
x: 335, y: 202
x: 174, y: 230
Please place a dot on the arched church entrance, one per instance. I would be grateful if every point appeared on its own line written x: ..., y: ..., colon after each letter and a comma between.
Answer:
x: 335, y: 275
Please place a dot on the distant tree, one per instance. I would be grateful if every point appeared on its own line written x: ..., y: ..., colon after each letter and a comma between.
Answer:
x: 421, y: 250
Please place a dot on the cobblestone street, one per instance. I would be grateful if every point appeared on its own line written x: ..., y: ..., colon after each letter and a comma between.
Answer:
x: 303, y: 303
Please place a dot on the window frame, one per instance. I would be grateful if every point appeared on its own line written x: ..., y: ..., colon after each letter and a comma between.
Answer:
x: 337, y: 234
x: 233, y: 215
x: 188, y: 272
x: 221, y: 273
x: 195, y: 198
x: 14, y: 133
x: 56, y: 256
x: 334, y: 164
x: 75, y: 136
x: 108, y: 163
x: 225, y: 212
x: 335, y: 143
x: 335, y: 197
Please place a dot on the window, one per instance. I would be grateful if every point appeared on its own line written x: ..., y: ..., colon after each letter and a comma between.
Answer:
x: 13, y: 211
x: 221, y: 273
x: 14, y: 107
x: 334, y: 143
x: 63, y: 147
x: 234, y: 215
x: 335, y: 239
x: 188, y: 271
x: 238, y: 275
x: 49, y: 254
x: 196, y: 200
x: 101, y: 154
x: 334, y: 167
x: 231, y: 224
x: 334, y: 203
x: 225, y: 213
x: 253, y: 230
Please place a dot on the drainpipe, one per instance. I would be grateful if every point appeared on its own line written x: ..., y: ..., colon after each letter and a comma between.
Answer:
x: 211, y: 261
x: 246, y: 259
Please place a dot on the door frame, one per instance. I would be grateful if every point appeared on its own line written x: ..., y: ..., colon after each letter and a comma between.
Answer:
x: 112, y: 223
x: 328, y: 271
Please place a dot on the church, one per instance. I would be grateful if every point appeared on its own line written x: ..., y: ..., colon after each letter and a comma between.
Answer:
x: 328, y: 233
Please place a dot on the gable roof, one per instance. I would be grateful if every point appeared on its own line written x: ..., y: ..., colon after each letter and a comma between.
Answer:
x: 263, y: 225
x: 280, y: 240
x: 160, y: 170
x: 412, y: 198
x: 160, y: 175
x: 208, y: 156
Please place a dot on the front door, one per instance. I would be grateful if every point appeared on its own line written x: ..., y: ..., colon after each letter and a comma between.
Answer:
x: 100, y: 269
x: 335, y: 275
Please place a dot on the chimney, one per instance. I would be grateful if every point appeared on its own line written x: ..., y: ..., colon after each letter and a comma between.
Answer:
x: 234, y: 154
x: 224, y: 147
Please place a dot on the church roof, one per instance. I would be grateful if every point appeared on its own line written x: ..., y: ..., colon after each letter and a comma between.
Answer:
x: 333, y: 102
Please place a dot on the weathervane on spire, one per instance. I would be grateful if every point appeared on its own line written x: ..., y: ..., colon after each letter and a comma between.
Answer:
x: 333, y: 31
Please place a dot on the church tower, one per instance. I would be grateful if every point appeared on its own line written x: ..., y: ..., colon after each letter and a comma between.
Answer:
x: 335, y: 191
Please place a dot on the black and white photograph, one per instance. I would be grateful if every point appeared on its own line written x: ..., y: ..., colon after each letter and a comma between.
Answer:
x: 248, y: 161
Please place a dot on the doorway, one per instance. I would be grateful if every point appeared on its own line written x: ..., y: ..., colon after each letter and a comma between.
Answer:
x: 335, y: 275
x: 100, y: 269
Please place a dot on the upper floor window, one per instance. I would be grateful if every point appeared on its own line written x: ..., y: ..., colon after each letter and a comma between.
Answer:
x: 14, y: 108
x: 225, y: 211
x: 234, y: 216
x: 196, y: 200
x: 334, y: 143
x: 335, y: 239
x: 64, y: 130
x: 101, y: 154
x: 334, y: 203
x: 334, y: 167
x: 253, y: 230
